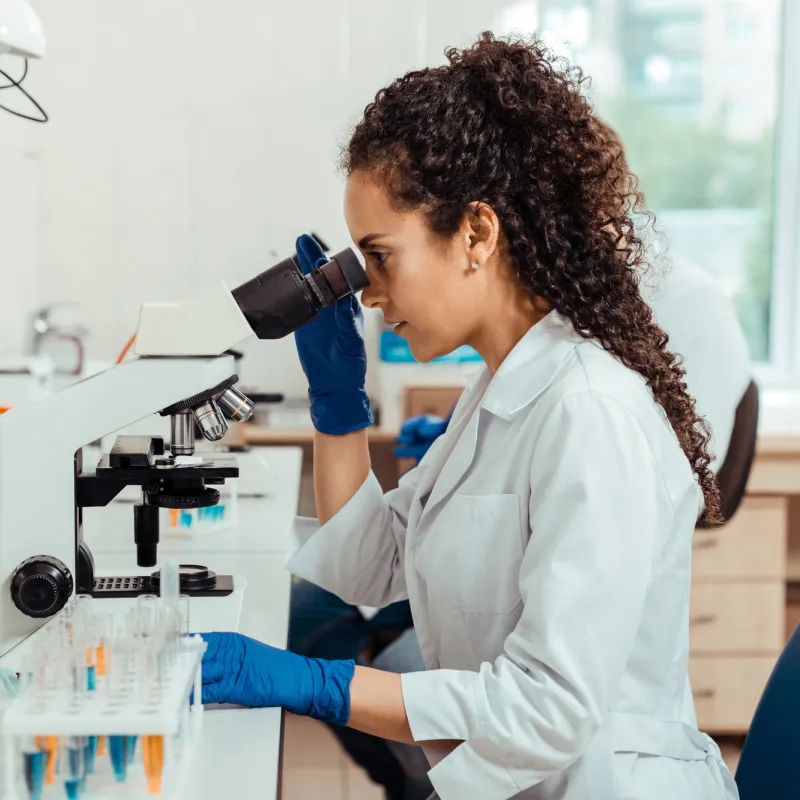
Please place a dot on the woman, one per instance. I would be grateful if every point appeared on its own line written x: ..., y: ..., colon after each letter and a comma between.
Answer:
x: 544, y: 541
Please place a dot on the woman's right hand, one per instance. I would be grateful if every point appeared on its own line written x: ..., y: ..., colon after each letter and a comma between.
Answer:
x: 333, y: 356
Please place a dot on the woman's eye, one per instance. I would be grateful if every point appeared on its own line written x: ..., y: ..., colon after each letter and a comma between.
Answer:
x: 380, y: 258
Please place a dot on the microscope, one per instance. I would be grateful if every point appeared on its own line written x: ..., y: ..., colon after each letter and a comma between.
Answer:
x: 181, y: 372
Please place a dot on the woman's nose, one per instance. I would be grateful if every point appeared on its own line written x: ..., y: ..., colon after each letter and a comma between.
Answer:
x: 374, y: 295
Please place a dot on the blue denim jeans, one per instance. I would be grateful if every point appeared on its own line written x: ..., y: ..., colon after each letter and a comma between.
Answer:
x: 323, y: 626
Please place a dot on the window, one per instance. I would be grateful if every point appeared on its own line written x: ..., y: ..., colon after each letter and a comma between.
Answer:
x: 692, y: 87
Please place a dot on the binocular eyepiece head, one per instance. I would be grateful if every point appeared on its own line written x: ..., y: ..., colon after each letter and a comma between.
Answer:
x: 281, y: 299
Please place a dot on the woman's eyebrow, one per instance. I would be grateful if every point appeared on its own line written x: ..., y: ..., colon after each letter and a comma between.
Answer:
x: 370, y: 237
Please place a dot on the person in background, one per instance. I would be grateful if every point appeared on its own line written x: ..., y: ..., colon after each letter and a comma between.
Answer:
x: 544, y: 541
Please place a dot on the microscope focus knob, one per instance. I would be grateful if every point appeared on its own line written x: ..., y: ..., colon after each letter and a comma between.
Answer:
x: 41, y: 586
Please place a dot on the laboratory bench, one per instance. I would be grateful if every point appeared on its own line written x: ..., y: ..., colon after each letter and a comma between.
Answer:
x: 240, y: 750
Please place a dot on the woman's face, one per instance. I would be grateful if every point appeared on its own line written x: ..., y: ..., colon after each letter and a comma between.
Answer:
x: 423, y: 284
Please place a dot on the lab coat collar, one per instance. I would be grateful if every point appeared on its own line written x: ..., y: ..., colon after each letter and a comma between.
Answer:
x: 530, y: 366
x: 525, y: 373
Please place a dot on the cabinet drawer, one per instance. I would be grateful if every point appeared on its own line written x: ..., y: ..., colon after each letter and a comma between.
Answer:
x: 727, y: 690
x: 751, y: 545
x: 737, y: 617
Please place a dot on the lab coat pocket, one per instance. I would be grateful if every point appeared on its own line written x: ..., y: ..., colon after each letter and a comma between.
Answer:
x: 487, y: 632
x: 472, y: 553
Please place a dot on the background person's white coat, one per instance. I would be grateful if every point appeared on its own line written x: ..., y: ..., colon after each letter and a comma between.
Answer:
x: 544, y: 543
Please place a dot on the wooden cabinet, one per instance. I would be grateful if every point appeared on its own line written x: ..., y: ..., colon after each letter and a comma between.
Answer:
x: 752, y: 546
x: 727, y: 690
x: 737, y: 618
x: 737, y: 612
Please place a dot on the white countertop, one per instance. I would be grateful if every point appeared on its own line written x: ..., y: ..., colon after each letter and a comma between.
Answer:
x: 239, y: 753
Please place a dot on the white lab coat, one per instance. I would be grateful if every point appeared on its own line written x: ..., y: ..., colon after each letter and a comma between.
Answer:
x: 544, y: 543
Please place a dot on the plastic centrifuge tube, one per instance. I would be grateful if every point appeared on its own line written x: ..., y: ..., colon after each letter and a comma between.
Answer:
x: 79, y: 669
x: 146, y: 619
x: 34, y: 766
x: 183, y: 615
x: 83, y: 608
x: 90, y: 753
x: 72, y: 765
x: 49, y: 746
x: 117, y: 748
x: 153, y: 758
x: 170, y: 583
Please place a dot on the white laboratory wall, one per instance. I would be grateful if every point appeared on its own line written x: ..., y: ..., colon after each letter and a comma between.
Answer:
x: 191, y: 140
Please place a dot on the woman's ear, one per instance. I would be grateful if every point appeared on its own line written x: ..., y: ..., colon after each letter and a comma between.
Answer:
x: 481, y: 229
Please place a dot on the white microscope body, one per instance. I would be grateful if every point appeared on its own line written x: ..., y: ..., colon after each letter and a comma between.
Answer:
x: 40, y: 517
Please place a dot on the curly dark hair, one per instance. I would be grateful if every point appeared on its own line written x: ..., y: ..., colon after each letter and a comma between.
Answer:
x: 505, y: 123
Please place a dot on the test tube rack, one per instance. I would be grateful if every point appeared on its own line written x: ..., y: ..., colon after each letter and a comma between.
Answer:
x: 172, y: 711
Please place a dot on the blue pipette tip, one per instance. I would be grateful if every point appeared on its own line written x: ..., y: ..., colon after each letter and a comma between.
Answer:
x: 91, y: 679
x: 131, y: 749
x: 73, y: 789
x: 35, y: 765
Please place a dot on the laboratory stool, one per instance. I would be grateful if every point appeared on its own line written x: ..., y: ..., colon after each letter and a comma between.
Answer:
x: 735, y: 470
x: 768, y: 767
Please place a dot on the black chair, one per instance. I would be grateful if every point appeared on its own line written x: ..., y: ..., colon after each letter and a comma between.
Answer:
x: 768, y: 767
x: 735, y: 470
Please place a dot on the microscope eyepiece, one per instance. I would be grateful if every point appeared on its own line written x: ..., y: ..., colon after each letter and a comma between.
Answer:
x: 281, y: 299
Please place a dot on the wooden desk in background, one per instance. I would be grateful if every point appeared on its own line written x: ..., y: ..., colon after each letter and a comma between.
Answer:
x: 381, y: 450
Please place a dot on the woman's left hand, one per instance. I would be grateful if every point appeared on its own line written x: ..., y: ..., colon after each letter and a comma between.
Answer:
x: 242, y: 671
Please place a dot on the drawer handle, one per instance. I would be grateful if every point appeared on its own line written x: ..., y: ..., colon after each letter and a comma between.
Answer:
x: 704, y: 543
x: 703, y: 619
x: 703, y: 694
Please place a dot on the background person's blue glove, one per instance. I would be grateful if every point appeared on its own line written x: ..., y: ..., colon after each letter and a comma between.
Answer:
x: 244, y: 672
x: 417, y: 434
x: 332, y: 353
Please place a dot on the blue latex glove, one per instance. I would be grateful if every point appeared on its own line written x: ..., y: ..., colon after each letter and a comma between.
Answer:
x: 332, y: 353
x: 242, y: 671
x: 417, y: 435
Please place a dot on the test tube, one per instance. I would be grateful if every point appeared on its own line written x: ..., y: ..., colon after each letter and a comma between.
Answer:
x: 102, y: 631
x: 90, y: 753
x: 49, y: 745
x: 34, y: 766
x: 153, y: 758
x: 79, y: 670
x: 183, y: 614
x: 117, y: 748
x: 72, y: 765
x: 146, y: 615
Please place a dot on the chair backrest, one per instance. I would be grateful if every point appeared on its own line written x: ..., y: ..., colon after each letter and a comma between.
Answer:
x: 735, y: 470
x: 768, y: 767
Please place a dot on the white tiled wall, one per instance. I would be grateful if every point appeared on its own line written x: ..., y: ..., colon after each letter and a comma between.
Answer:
x: 191, y: 139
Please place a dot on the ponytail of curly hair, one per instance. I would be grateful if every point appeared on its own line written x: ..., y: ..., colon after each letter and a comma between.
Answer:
x: 505, y: 123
